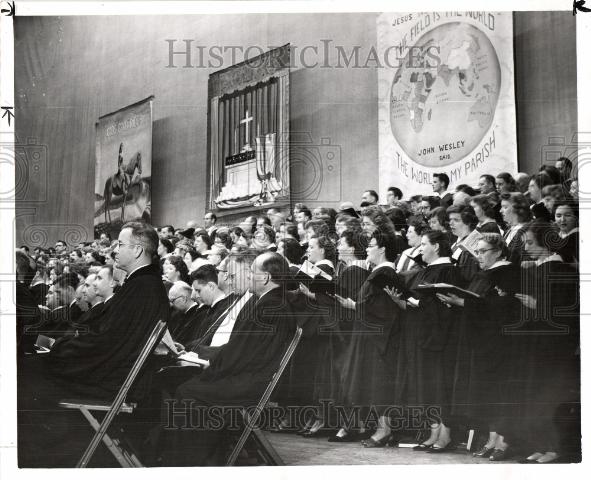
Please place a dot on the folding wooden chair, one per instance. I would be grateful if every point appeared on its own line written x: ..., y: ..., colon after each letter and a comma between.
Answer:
x: 264, y: 447
x: 125, y: 458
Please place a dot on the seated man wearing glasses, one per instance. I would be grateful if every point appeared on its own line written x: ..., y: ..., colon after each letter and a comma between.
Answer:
x: 93, y: 364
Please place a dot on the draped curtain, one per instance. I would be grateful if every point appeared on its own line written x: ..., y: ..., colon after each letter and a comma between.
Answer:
x: 262, y: 103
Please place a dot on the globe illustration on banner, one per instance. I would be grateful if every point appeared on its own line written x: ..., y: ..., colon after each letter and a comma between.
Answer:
x: 441, y: 109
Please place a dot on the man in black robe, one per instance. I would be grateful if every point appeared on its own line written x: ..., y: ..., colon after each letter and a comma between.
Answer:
x: 92, y: 365
x: 187, y: 316
x: 239, y: 373
x: 27, y: 311
x: 64, y: 311
x: 204, y: 281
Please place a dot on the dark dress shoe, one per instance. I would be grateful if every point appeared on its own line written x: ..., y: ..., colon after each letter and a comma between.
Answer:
x: 484, y: 452
x: 437, y: 449
x: 421, y: 447
x: 281, y: 429
x: 383, y: 442
x: 315, y: 434
x: 500, y: 455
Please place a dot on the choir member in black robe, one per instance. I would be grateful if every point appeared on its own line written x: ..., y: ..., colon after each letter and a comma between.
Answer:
x: 463, y: 221
x: 534, y: 191
x: 424, y: 367
x: 93, y: 365
x: 369, y: 362
x: 240, y: 372
x: 485, y: 209
x: 516, y: 213
x: 410, y: 260
x: 551, y: 350
x: 335, y: 331
x: 322, y: 254
x: 566, y: 216
x: 292, y: 251
x: 481, y: 382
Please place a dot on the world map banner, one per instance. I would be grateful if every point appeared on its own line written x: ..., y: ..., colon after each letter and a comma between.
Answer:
x: 446, y: 98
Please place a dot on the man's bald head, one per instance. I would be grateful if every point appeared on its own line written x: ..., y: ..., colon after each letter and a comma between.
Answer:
x: 269, y: 271
x: 179, y: 296
x: 180, y: 288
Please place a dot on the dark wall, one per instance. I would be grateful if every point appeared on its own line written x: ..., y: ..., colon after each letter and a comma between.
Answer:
x: 71, y: 70
x: 545, y: 85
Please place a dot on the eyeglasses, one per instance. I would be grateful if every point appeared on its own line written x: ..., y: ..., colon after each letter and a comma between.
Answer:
x: 121, y: 244
x: 172, y: 300
x: 484, y: 250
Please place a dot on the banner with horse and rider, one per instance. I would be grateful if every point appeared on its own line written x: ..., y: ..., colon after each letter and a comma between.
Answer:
x: 123, y: 167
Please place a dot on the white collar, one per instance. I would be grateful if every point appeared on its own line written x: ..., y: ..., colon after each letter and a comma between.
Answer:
x: 325, y: 262
x: 358, y: 263
x: 385, y: 264
x: 499, y: 263
x: 218, y: 300
x: 440, y: 261
x: 555, y: 257
x: 564, y: 235
x: 488, y: 220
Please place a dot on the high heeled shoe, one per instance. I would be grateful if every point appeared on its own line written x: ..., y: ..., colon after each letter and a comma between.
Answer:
x: 548, y: 457
x: 437, y: 449
x: 421, y: 447
x: 532, y: 458
x: 381, y: 443
x: 484, y: 452
x: 499, y: 455
x: 349, y: 437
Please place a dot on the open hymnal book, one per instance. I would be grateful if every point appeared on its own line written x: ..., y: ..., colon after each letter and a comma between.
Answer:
x: 445, y: 289
x: 312, y: 271
x: 192, y: 357
x: 43, y: 344
x: 167, y: 345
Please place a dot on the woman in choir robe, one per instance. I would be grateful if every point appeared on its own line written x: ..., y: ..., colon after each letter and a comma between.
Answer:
x: 175, y: 269
x: 291, y: 250
x: 481, y: 388
x: 374, y: 218
x: 516, y: 213
x: 321, y: 253
x: 462, y: 222
x: 370, y: 360
x: 409, y: 261
x: 566, y: 217
x: 551, y: 351
x: 398, y: 219
x: 439, y: 221
x: 340, y: 320
x: 423, y: 365
x: 536, y: 184
x: 485, y: 209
